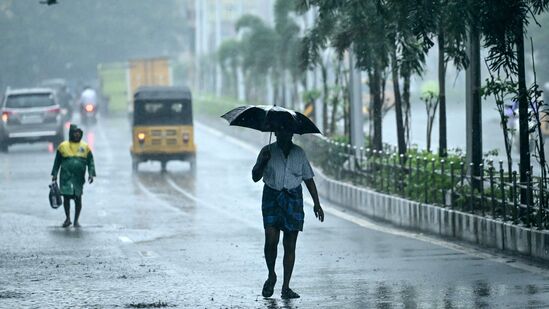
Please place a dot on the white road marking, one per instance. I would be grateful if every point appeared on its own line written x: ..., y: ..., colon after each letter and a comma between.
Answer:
x: 148, y: 254
x: 217, y: 208
x: 395, y: 231
x: 125, y: 239
x: 153, y: 196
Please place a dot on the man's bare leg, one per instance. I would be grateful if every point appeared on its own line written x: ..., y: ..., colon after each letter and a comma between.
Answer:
x: 67, y: 206
x: 78, y: 208
x: 289, y: 241
x: 272, y: 236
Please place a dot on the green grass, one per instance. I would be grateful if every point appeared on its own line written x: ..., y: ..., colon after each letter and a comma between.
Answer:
x: 214, y: 106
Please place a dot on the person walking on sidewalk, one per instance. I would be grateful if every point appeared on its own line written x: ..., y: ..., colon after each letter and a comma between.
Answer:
x: 283, y: 166
x: 72, y: 158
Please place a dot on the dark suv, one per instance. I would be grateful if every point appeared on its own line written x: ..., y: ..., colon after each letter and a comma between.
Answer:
x: 30, y: 115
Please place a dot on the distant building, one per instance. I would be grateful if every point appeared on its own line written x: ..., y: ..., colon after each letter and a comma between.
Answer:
x: 215, y: 20
x: 211, y: 22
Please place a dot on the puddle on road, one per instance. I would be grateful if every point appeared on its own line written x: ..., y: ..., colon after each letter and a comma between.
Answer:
x: 158, y: 304
x: 10, y: 294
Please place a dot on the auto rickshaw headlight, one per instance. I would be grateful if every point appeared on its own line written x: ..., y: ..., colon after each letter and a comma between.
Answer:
x: 141, y: 137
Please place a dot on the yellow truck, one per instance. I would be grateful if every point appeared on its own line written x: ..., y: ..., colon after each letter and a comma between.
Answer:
x: 147, y: 72
x: 119, y: 81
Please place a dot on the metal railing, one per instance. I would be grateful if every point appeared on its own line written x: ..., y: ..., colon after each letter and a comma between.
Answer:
x: 496, y: 193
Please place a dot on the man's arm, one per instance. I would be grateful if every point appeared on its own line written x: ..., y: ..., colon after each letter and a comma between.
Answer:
x: 311, y: 186
x: 91, y: 167
x: 260, y: 164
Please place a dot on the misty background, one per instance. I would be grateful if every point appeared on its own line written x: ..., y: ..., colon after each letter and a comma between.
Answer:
x: 70, y: 39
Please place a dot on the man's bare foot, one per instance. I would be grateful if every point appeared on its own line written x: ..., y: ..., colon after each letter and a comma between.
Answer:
x: 287, y: 293
x: 67, y: 223
x: 76, y: 224
x: 268, y: 286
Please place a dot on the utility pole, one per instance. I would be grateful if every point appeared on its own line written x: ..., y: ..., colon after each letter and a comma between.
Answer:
x: 197, y: 42
x: 218, y: 77
x: 240, y: 74
x: 206, y: 70
x: 474, y: 105
x: 355, y: 110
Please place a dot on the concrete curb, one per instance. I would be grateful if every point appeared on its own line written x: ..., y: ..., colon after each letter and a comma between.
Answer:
x: 407, y: 214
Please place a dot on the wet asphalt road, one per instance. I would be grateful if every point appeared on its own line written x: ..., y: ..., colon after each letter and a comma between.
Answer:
x: 196, y: 241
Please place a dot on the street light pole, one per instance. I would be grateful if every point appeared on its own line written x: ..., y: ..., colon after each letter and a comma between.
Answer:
x: 355, y: 110
x: 218, y: 77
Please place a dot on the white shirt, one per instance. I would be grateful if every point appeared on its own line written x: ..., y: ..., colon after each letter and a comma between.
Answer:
x: 286, y: 173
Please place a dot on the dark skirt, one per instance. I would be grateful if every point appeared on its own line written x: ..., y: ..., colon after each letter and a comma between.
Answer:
x: 283, y: 209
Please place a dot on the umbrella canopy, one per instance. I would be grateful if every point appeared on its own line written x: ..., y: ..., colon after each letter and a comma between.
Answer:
x: 268, y: 118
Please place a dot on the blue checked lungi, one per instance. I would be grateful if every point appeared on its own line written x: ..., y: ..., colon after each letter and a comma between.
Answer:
x: 283, y: 209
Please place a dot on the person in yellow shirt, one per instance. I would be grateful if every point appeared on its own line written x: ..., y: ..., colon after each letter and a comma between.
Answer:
x: 71, y: 160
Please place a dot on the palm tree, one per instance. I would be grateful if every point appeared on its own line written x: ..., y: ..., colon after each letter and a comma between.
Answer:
x: 259, y: 46
x: 502, y: 24
x: 228, y: 56
x: 287, y: 31
x: 451, y: 31
x: 356, y: 23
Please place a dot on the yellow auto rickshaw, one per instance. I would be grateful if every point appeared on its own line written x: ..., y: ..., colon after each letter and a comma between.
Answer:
x: 162, y: 126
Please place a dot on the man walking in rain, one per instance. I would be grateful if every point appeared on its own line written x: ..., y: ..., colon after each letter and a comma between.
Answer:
x: 283, y: 166
x: 72, y: 157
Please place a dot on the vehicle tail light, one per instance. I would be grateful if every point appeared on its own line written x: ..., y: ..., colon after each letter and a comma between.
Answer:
x: 89, y: 108
x: 6, y: 115
x: 54, y: 110
x: 141, y: 137
x: 186, y: 138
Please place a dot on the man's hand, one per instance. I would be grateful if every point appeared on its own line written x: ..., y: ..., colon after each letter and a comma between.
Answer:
x: 90, y: 179
x: 319, y: 213
x: 53, y: 178
x: 265, y: 157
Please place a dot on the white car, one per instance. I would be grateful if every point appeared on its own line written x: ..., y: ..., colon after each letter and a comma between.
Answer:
x: 30, y: 115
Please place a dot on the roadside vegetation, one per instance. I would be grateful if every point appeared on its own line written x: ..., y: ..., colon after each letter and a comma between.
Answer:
x: 391, y: 40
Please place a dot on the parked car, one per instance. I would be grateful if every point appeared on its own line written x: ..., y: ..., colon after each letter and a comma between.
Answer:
x: 30, y: 115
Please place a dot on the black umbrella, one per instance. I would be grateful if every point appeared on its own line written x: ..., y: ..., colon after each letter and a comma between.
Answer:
x: 268, y: 118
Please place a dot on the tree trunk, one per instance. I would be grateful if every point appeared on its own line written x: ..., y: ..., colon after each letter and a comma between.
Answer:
x: 346, y: 116
x: 406, y: 106
x: 523, y: 115
x: 398, y: 104
x: 474, y: 105
x: 335, y: 101
x: 295, y: 93
x: 370, y: 107
x: 324, y: 72
x: 377, y: 109
x: 442, y: 135
x: 283, y: 90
